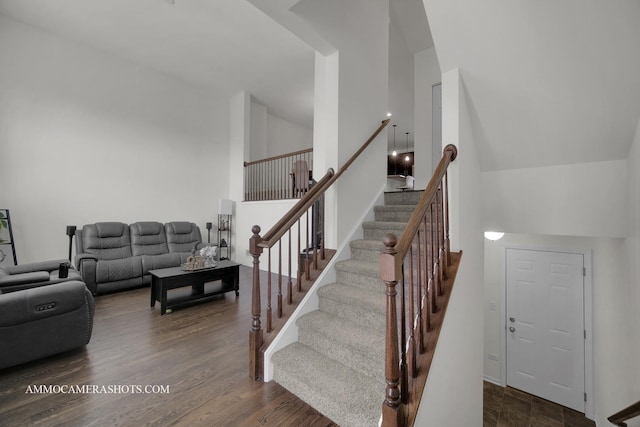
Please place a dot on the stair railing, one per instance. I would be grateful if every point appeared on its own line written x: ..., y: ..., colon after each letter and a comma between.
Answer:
x: 626, y: 414
x: 420, y: 263
x: 290, y: 227
x: 278, y: 177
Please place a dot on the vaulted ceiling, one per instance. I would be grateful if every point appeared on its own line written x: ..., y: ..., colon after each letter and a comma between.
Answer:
x: 548, y: 83
x: 223, y: 45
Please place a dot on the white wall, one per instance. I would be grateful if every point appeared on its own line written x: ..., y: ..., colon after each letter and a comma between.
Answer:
x: 272, y: 135
x: 284, y: 136
x: 87, y: 137
x: 401, y: 88
x: 427, y: 73
x: 633, y: 254
x: 587, y: 199
x: 353, y: 105
x: 453, y: 394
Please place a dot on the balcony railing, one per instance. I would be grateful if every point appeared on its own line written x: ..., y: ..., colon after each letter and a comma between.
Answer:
x: 287, y: 176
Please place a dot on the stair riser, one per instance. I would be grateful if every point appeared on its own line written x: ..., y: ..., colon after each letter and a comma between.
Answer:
x: 360, y: 315
x: 402, y: 198
x: 379, y: 233
x: 395, y: 216
x: 368, y: 361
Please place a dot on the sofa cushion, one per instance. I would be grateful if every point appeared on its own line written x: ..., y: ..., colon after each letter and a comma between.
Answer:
x: 148, y: 238
x: 118, y: 269
x: 182, y: 236
x: 107, y: 240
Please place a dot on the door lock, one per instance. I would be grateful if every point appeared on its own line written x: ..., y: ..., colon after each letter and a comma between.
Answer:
x: 511, y: 319
x: 512, y: 329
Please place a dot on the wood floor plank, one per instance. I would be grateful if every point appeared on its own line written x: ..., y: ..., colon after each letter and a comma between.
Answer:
x: 200, y: 352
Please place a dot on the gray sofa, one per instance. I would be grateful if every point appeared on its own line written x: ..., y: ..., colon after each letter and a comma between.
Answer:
x: 113, y: 256
x: 43, y: 320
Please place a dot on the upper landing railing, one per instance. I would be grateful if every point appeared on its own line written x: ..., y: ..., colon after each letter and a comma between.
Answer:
x: 287, y: 176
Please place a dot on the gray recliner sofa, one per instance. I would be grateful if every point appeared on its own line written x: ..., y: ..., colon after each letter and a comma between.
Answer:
x: 113, y: 256
x: 43, y: 320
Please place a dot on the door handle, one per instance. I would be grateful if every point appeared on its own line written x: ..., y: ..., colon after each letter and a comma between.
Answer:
x: 512, y: 329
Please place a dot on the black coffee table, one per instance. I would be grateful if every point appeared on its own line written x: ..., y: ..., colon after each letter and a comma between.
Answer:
x: 162, y: 280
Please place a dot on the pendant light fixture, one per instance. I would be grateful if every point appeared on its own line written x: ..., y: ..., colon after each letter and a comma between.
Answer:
x: 406, y: 159
x: 394, y: 153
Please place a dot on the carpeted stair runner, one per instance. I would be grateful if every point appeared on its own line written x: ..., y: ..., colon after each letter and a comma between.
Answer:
x: 337, y: 366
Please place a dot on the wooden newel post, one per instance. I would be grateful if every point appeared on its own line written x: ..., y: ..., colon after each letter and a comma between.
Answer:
x: 255, y: 335
x: 391, y: 411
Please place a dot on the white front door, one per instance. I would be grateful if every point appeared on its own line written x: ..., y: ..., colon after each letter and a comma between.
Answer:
x: 545, y: 325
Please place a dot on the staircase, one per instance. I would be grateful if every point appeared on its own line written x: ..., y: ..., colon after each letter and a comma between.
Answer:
x: 338, y: 364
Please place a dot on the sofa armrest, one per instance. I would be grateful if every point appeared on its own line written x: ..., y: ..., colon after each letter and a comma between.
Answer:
x: 35, y: 266
x: 23, y: 279
x: 86, y: 265
x: 43, y: 302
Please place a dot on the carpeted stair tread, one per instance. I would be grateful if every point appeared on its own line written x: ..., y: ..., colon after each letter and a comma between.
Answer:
x: 358, y: 346
x: 370, y: 245
x: 366, y: 250
x: 370, y: 269
x: 339, y: 392
x: 400, y: 213
x: 362, y: 306
x: 376, y: 230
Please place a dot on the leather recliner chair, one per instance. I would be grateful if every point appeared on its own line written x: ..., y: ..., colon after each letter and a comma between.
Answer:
x: 43, y: 320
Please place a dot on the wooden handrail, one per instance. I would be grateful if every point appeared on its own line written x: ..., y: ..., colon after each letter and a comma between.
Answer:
x: 424, y: 243
x: 280, y: 156
x: 450, y: 153
x: 275, y: 235
x: 314, y: 194
x: 626, y: 414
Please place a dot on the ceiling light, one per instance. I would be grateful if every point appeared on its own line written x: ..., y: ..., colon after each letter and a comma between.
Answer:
x: 493, y: 235
x: 388, y: 114
x: 395, y: 153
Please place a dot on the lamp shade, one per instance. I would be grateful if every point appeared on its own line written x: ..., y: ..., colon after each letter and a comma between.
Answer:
x: 225, y: 207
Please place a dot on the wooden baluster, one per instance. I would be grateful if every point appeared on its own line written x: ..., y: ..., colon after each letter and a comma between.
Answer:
x: 440, y: 231
x: 280, y: 278
x: 413, y: 369
x: 436, y: 267
x: 391, y: 412
x: 255, y: 335
x: 289, y: 284
x: 432, y: 278
x: 324, y: 211
x: 269, y: 314
x: 307, y: 263
x: 443, y: 270
x: 299, y: 273
x: 447, y: 243
x: 404, y: 378
x: 425, y: 304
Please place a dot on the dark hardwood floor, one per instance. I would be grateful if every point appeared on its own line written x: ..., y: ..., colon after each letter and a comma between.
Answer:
x: 508, y: 407
x: 200, y: 353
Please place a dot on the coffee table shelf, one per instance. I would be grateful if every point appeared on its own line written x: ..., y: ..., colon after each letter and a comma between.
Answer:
x: 165, y: 279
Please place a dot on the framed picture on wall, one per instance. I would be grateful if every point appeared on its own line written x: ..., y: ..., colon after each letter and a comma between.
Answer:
x: 7, y: 247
